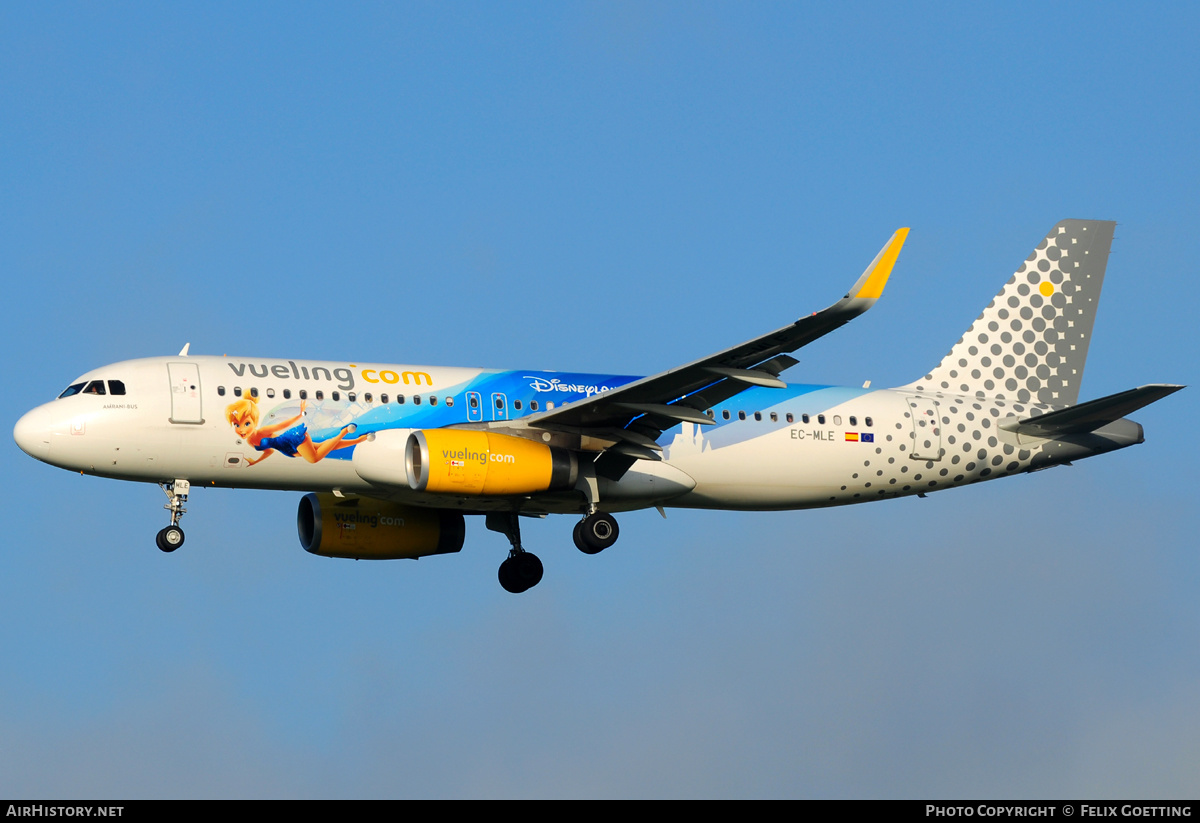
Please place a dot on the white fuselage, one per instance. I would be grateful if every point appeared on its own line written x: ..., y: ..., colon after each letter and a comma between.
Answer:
x: 768, y: 448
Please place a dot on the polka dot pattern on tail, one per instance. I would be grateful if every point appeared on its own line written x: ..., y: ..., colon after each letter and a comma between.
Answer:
x: 1030, y: 344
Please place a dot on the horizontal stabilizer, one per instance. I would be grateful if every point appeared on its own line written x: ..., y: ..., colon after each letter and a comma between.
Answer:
x: 1092, y: 415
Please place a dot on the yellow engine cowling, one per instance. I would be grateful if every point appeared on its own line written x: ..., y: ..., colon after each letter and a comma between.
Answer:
x: 363, y: 528
x: 475, y: 462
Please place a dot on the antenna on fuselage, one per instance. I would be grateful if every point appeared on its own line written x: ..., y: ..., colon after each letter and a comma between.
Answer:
x: 183, y: 351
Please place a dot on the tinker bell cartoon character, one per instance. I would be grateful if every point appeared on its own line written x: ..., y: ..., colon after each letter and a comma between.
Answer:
x: 287, y: 438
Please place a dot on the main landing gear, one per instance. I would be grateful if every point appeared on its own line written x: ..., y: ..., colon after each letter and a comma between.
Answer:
x: 596, y: 532
x: 171, y: 538
x: 522, y: 570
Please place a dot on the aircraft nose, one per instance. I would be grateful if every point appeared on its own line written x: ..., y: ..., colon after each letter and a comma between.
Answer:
x: 33, y: 435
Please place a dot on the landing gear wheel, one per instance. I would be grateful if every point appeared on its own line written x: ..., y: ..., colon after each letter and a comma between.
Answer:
x: 520, y: 572
x: 528, y: 568
x: 508, y: 581
x: 170, y: 538
x: 596, y: 532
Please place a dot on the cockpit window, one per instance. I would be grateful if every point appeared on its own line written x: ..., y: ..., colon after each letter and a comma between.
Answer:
x: 95, y: 387
x: 74, y: 388
x: 116, y: 387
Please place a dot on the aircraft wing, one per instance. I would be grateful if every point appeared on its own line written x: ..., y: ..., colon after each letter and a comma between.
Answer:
x: 638, y: 412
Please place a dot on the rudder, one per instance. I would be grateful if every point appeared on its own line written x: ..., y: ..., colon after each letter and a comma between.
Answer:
x: 1030, y: 343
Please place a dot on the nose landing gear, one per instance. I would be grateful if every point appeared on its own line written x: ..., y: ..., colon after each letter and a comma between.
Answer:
x: 171, y: 538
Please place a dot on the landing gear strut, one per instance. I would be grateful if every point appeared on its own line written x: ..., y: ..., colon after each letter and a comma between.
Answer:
x: 171, y: 538
x: 522, y: 570
x: 596, y: 532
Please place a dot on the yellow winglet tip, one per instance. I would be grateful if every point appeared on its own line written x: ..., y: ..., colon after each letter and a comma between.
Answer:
x: 877, y: 273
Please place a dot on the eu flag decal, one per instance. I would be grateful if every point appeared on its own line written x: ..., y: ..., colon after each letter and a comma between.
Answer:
x: 867, y: 437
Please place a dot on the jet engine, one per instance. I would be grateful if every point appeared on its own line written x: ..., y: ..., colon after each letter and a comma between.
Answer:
x: 362, y: 528
x: 474, y: 462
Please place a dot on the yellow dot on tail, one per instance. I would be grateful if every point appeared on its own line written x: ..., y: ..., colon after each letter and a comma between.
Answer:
x: 1047, y: 288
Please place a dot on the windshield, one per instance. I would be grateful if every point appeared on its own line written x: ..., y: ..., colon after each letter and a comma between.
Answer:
x: 94, y: 387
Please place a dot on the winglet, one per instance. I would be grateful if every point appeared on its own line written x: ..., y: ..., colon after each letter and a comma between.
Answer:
x: 184, y: 351
x: 871, y: 284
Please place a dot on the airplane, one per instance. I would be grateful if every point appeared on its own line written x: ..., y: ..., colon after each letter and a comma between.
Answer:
x: 393, y: 457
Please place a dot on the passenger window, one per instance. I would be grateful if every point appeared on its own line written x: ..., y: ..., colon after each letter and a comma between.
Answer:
x: 533, y: 405
x: 853, y: 420
x: 116, y: 387
x: 711, y: 415
x: 433, y: 399
x: 221, y: 390
x: 304, y: 394
x: 790, y: 419
x: 237, y: 391
x: 350, y: 396
x: 869, y: 423
x: 320, y: 395
x: 450, y: 402
x: 383, y: 398
x: 774, y: 417
x: 254, y: 392
x: 725, y: 413
x: 500, y: 402
x: 367, y: 397
x: 95, y: 387
x: 287, y: 394
x: 821, y: 419
x: 270, y: 392
x: 517, y: 405
x: 837, y: 420
x: 400, y: 399
x: 416, y: 399
x: 804, y: 417
x: 337, y: 396
x: 741, y: 415
x: 473, y: 401
x: 74, y: 388
x: 758, y: 416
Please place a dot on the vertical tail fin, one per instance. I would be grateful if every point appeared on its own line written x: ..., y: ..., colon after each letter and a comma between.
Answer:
x: 1031, y: 342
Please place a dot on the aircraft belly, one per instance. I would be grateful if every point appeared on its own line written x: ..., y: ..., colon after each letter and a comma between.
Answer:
x: 777, y: 470
x: 293, y: 476
x: 826, y: 456
x: 960, y: 443
x: 647, y: 482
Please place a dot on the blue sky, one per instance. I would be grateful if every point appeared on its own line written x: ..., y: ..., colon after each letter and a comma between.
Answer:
x: 610, y: 187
